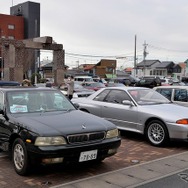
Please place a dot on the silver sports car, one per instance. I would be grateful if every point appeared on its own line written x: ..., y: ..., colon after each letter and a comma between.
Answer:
x: 141, y: 110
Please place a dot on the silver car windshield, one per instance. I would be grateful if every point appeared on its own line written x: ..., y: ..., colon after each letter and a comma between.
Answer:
x: 37, y: 101
x: 147, y: 96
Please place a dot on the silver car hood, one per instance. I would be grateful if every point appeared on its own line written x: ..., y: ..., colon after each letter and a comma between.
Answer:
x: 172, y: 112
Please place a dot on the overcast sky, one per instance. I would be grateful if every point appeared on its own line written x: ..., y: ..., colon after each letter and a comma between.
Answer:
x: 108, y: 27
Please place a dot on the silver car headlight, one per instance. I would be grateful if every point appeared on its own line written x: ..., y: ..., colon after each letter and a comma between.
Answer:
x: 50, y: 141
x: 112, y: 133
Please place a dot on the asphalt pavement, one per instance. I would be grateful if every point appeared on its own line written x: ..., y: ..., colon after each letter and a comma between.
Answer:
x: 167, y: 172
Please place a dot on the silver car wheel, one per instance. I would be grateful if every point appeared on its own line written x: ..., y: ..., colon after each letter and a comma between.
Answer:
x: 156, y: 133
x: 19, y: 158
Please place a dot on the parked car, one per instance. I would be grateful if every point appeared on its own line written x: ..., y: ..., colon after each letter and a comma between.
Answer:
x: 93, y: 85
x: 40, y: 85
x: 9, y: 83
x: 166, y: 81
x: 141, y: 110
x: 127, y: 80
x: 40, y: 125
x: 79, y: 90
x: 176, y: 94
x: 184, y: 79
x: 83, y: 79
x: 112, y: 84
x: 149, y: 82
x: 178, y: 84
x: 102, y: 80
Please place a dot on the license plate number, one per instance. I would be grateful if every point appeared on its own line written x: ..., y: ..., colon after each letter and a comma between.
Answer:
x: 88, y: 155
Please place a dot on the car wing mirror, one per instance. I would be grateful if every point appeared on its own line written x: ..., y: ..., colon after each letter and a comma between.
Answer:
x: 127, y: 102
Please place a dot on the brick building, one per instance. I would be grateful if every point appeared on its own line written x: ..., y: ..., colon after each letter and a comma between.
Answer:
x: 22, y: 23
x: 106, y: 68
x: 11, y: 27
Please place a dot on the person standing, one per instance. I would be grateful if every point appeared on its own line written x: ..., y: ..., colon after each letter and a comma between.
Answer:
x: 70, y: 85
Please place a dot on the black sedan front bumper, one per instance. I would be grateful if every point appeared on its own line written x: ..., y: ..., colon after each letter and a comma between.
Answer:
x: 71, y: 153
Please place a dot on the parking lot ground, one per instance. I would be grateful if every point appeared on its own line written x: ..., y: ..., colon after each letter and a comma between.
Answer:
x: 134, y: 150
x: 178, y: 179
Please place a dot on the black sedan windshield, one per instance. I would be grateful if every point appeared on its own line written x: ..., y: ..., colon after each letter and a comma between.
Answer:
x: 32, y: 101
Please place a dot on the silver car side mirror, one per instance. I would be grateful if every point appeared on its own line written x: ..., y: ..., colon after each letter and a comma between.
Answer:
x: 127, y: 102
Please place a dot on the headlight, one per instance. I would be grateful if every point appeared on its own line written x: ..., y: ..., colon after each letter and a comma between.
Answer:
x: 50, y: 141
x: 112, y: 133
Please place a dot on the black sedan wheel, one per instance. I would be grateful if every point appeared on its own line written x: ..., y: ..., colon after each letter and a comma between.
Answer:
x: 157, y: 133
x: 20, y: 158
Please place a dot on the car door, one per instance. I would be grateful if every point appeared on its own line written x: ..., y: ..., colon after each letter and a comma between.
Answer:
x: 123, y: 116
x: 4, y: 124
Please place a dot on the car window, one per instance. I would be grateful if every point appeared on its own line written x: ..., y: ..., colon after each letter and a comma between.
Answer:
x: 116, y: 96
x: 180, y: 95
x: 1, y: 101
x: 166, y: 92
x: 87, y: 84
x: 101, y: 96
x: 147, y: 96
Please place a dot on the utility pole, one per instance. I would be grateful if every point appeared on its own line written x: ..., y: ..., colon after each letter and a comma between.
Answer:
x: 145, y: 53
x: 36, y: 56
x: 135, y: 68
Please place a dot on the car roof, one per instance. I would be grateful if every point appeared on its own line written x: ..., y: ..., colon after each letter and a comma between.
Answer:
x: 20, y: 88
x: 9, y: 83
x: 82, y: 77
x: 172, y: 87
x: 127, y: 88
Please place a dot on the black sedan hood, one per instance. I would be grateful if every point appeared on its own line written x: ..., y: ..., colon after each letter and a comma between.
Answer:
x: 63, y: 123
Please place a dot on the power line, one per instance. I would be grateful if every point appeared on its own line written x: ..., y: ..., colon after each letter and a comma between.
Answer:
x: 93, y: 56
x: 160, y: 48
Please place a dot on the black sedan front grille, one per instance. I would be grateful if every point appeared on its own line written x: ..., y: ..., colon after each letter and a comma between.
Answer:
x: 86, y: 137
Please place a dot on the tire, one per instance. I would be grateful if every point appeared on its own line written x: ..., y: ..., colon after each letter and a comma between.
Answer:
x: 156, y: 133
x: 20, y: 157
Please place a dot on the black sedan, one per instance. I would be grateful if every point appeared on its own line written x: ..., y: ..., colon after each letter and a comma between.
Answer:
x: 40, y: 125
x: 149, y: 82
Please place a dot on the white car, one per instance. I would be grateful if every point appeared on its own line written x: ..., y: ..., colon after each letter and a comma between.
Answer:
x: 79, y: 91
x: 176, y: 94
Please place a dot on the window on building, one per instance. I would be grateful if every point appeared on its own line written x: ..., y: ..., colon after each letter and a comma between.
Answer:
x: 10, y: 26
x: 48, y: 71
x: 109, y: 69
